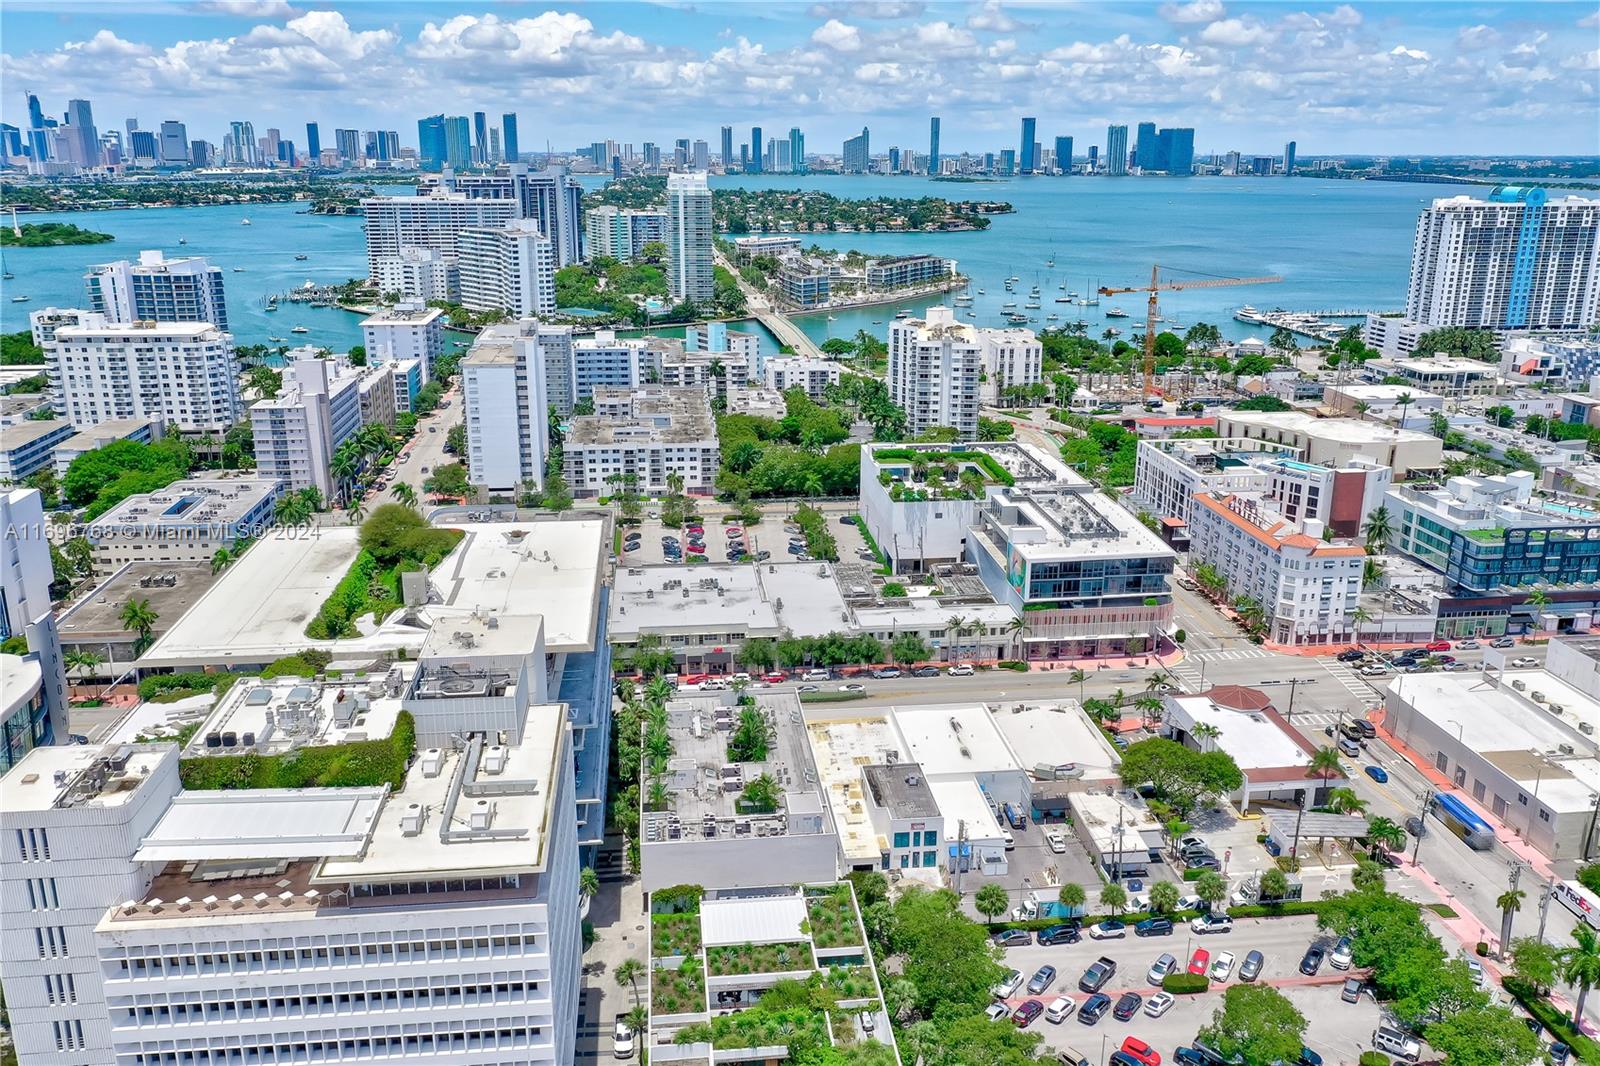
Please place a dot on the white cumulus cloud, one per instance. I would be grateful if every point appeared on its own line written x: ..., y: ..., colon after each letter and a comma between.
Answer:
x: 1235, y: 33
x: 838, y: 36
x: 1195, y: 12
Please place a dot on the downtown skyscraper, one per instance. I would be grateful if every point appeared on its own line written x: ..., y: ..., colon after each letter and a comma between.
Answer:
x: 797, y: 151
x: 727, y: 148
x: 314, y: 142
x: 1116, y: 150
x: 508, y: 136
x: 1029, y: 145
x: 933, y: 145
x: 431, y: 148
x: 754, y: 165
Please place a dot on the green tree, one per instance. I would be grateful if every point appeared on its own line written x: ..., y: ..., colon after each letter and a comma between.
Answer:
x: 1114, y: 898
x: 1072, y: 896
x: 1378, y: 529
x: 909, y: 648
x: 627, y: 973
x: 1483, y: 1036
x: 1536, y: 962
x: 1345, y: 801
x: 1163, y: 897
x: 404, y: 493
x: 140, y: 618
x: 1274, y: 884
x: 1258, y: 1024
x: 85, y: 662
x: 1580, y: 965
x: 1180, y: 775
x: 991, y: 901
x: 1325, y: 763
x: 762, y: 794
x: 1509, y: 901
x: 588, y: 882
x: 1368, y: 876
x: 1210, y: 887
x: 945, y: 954
x: 1384, y: 833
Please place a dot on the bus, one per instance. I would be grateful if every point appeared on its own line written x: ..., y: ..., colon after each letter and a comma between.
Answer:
x: 1461, y: 820
x: 1579, y: 901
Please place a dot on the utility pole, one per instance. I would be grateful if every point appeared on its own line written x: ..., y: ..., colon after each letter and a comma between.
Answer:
x: 1427, y: 798
x: 1293, y: 683
x: 1547, y: 890
x: 961, y: 852
x: 1510, y: 915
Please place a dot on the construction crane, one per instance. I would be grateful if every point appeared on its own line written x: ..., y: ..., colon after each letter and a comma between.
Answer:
x: 1157, y: 285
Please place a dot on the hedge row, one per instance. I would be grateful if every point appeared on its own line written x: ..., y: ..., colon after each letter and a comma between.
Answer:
x: 1275, y: 910
x: 362, y: 763
x: 1185, y: 984
x: 160, y: 684
x: 1552, y: 1019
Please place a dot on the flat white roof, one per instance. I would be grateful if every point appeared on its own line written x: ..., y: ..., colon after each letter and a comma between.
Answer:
x: 1512, y: 732
x: 1253, y: 740
x: 1100, y: 815
x: 812, y: 605
x: 720, y: 597
x: 551, y: 568
x: 954, y: 739
x: 519, y: 826
x: 271, y: 823
x: 1057, y: 733
x: 284, y: 713
x: 752, y: 920
x: 30, y: 785
x: 925, y: 611
x: 962, y: 801
x: 842, y: 743
x: 1342, y: 430
x: 19, y: 680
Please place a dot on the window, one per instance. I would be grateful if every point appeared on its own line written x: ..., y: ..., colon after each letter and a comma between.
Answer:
x: 930, y: 839
x: 930, y: 858
x: 905, y: 861
x: 1544, y: 816
x: 902, y: 840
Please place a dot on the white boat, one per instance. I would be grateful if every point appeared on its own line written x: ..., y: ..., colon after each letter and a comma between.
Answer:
x: 902, y: 314
x: 833, y: 318
x: 299, y: 329
x: 1010, y: 303
x: 1063, y: 300
x: 244, y: 222
x: 302, y: 258
x: 183, y: 240
x: 983, y: 292
x: 20, y: 299
x: 1116, y: 312
x: 238, y: 270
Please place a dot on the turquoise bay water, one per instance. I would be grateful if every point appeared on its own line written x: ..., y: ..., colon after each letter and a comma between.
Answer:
x: 1338, y: 244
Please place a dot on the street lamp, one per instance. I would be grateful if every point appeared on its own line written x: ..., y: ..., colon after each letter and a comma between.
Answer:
x: 1460, y: 731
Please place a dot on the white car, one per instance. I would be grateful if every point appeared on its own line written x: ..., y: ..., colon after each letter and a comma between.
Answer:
x: 1008, y: 985
x: 1057, y: 842
x: 1342, y: 954
x: 1222, y: 966
x: 1374, y: 671
x: 1524, y: 662
x: 963, y: 670
x: 1060, y: 1009
x: 622, y: 1040
x: 1475, y: 968
x: 1159, y: 1004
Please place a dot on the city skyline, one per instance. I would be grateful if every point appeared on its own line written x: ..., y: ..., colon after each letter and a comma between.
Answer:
x: 1356, y: 79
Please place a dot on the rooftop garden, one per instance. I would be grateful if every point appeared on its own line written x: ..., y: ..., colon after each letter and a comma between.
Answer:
x: 939, y: 475
x: 832, y: 917
x: 680, y: 989
x: 851, y: 982
x: 394, y: 540
x: 356, y: 764
x: 674, y: 934
x: 800, y: 1016
x: 738, y: 959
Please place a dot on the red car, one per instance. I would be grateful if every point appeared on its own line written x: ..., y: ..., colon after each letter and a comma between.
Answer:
x: 734, y: 531
x: 691, y: 679
x: 697, y: 549
x: 774, y: 678
x: 1200, y: 961
x: 1139, y: 1051
x: 1027, y: 1013
x: 694, y: 529
x: 1439, y: 645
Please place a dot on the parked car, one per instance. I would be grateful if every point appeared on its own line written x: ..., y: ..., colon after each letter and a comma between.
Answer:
x: 997, y: 1011
x: 1154, y: 927
x: 1250, y: 968
x: 852, y: 687
x: 1350, y: 747
x: 1503, y: 642
x: 1139, y: 1052
x: 1311, y: 962
x: 1008, y: 985
x: 1222, y: 966
x: 1415, y: 827
x: 1475, y: 968
x: 1308, y: 1058
x: 1128, y: 1005
x: 1012, y: 938
x: 1354, y: 655
x: 1437, y: 645
x: 1118, y: 1058
x: 1027, y: 1013
x: 1392, y: 1041
x: 1055, y: 841
x: 1110, y: 929
x: 1095, y: 977
x: 622, y: 1040
x: 1043, y: 978
x: 816, y: 675
x: 1341, y: 955
x: 1163, y: 966
x: 925, y: 671
x: 1203, y: 862
x: 1378, y: 774
x: 1188, y: 1056
x: 1351, y: 992
x: 1066, y: 933
x: 1212, y: 923
x: 1094, y: 1008
x: 1524, y: 662
x: 961, y: 670
x: 1060, y: 1009
x: 1375, y: 670
x: 885, y: 672
x: 1159, y: 1004
x: 1466, y: 645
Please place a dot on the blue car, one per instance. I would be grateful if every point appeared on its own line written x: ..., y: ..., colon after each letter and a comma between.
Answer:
x: 1378, y: 774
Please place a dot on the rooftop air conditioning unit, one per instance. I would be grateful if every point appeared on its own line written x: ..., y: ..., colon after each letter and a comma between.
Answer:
x: 432, y: 762
x: 1586, y: 728
x: 1519, y: 684
x: 1565, y: 749
x: 1538, y: 697
x: 411, y: 820
x: 494, y: 759
x: 481, y: 815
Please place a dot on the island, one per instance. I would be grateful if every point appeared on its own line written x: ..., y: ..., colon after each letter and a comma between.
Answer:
x: 32, y: 195
x: 811, y: 211
x: 50, y: 234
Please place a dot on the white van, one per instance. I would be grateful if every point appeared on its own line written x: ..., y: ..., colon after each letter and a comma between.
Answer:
x: 1060, y: 1010
x: 1011, y: 841
x: 1394, y: 1042
x: 816, y: 675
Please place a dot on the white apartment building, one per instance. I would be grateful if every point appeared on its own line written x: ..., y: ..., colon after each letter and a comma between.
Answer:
x: 71, y: 818
x: 689, y: 234
x: 25, y: 570
x: 714, y: 372
x: 650, y: 432
x: 159, y: 289
x: 1512, y: 260
x: 179, y: 372
x: 418, y: 274
x: 1168, y: 474
x: 717, y: 337
x: 408, y: 330
x: 188, y: 521
x: 549, y: 197
x: 1307, y: 587
x: 297, y: 432
x: 620, y: 233
x: 398, y: 223
x: 1393, y: 336
x: 934, y: 365
x: 1337, y: 441
x: 800, y: 372
x: 377, y: 391
x: 1009, y: 357
x: 506, y: 408
x: 511, y: 268
x: 1440, y: 375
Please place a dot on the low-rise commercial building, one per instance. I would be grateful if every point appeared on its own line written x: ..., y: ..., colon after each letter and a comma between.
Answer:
x: 1243, y: 722
x: 650, y: 434
x: 1383, y: 402
x: 29, y: 447
x: 94, y: 623
x: 1338, y: 440
x: 761, y: 402
x: 188, y: 521
x: 1442, y: 375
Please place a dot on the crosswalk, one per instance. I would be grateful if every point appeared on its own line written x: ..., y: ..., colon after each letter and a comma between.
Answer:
x: 1190, y: 673
x: 1353, y: 682
x: 1226, y: 655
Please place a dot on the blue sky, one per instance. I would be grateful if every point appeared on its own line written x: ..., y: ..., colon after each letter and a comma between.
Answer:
x: 1439, y: 78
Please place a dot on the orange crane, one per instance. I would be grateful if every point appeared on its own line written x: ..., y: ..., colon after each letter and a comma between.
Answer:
x: 1157, y: 285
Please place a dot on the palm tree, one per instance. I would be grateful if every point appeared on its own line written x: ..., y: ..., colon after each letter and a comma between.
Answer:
x: 1205, y: 732
x: 86, y: 661
x: 991, y: 901
x: 1325, y: 762
x: 658, y: 690
x: 405, y: 494
x: 1072, y: 896
x: 1114, y: 898
x: 220, y: 560
x: 1378, y: 529
x: 1017, y: 628
x: 343, y: 467
x: 955, y: 625
x: 1362, y: 407
x: 1345, y: 801
x: 588, y: 882
x: 1580, y: 965
x: 357, y: 512
x: 1404, y: 401
x: 1156, y: 680
x: 138, y: 617
x: 628, y: 972
x: 1358, y: 618
x: 638, y: 1019
x: 1384, y: 833
x: 1509, y: 901
x: 1150, y: 707
x: 1372, y: 571
x: 1538, y: 597
x: 1078, y: 677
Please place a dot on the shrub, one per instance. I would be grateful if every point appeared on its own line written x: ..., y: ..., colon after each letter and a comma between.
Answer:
x: 1190, y: 875
x: 1481, y: 949
x: 1012, y: 664
x: 362, y: 763
x: 164, y: 688
x: 1589, y: 876
x: 1180, y: 637
x: 1274, y: 910
x: 1373, y: 1058
x: 1185, y: 984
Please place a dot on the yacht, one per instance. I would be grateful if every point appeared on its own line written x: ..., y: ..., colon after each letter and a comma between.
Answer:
x: 276, y: 340
x: 302, y: 258
x: 1032, y: 305
x: 902, y: 314
x: 183, y: 240
x: 20, y: 299
x: 1013, y: 278
x: 1063, y: 300
x: 7, y: 275
x: 983, y: 292
x: 244, y: 222
x: 238, y: 270
x: 299, y: 329
x: 1116, y: 312
x: 1009, y: 303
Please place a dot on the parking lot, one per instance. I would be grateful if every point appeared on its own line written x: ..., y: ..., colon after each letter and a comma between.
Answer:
x: 1338, y: 1031
x: 766, y: 535
x: 1032, y: 866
